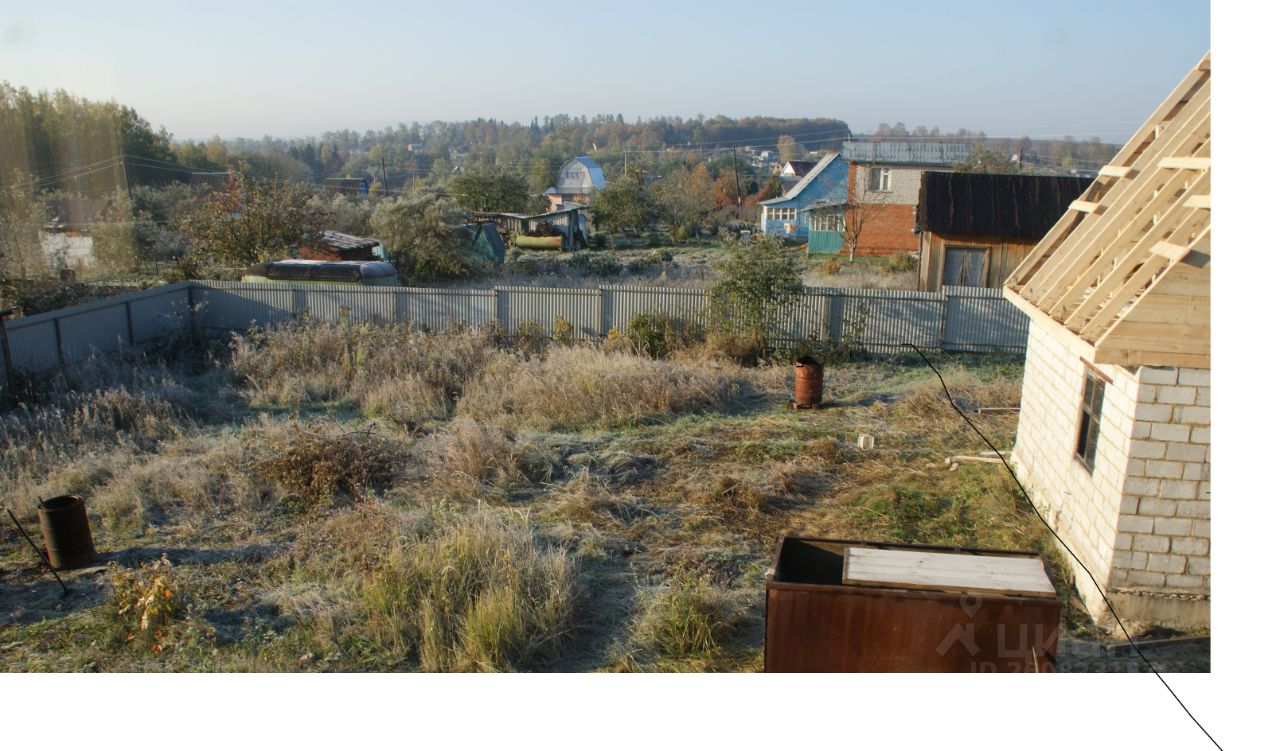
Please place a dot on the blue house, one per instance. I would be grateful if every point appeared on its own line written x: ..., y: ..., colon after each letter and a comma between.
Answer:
x: 827, y: 181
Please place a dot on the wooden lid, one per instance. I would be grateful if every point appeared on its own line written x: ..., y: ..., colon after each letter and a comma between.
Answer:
x: 961, y: 572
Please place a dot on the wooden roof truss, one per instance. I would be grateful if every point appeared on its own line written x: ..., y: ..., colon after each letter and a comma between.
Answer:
x: 1123, y: 277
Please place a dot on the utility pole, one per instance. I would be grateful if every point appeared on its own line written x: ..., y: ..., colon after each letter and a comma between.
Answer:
x: 384, y: 175
x: 737, y: 191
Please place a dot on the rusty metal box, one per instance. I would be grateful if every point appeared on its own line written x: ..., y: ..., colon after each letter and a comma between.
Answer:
x: 857, y: 606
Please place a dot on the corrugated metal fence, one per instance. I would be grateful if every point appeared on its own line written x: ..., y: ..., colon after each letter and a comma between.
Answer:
x: 962, y: 319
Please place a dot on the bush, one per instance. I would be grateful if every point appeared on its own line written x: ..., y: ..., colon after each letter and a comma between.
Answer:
x: 830, y: 267
x: 757, y: 278
x: 146, y: 601
x: 903, y: 262
x: 657, y: 334
x: 316, y: 466
x: 562, y: 331
x: 480, y: 594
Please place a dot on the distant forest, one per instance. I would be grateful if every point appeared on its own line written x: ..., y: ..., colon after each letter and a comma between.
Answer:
x: 59, y: 142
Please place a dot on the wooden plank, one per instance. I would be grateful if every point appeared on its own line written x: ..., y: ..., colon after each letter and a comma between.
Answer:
x: 1117, y: 170
x: 1173, y: 309
x: 1197, y: 202
x: 1136, y: 357
x: 1086, y: 207
x: 1171, y: 251
x: 920, y: 569
x: 1142, y: 199
x: 1185, y: 162
x: 1065, y: 336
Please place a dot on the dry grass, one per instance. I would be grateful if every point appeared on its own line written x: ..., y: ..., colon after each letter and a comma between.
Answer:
x: 580, y: 388
x: 481, y: 594
x: 688, y: 617
x: 404, y: 375
x: 95, y: 405
x: 315, y: 463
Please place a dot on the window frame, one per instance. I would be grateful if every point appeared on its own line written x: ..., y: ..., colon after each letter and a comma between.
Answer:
x: 1089, y: 427
x: 879, y: 180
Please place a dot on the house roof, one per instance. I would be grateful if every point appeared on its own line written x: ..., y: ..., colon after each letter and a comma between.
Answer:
x: 805, y: 182
x: 799, y: 168
x: 343, y: 241
x: 1123, y: 277
x: 870, y: 150
x: 1015, y: 206
x: 593, y: 169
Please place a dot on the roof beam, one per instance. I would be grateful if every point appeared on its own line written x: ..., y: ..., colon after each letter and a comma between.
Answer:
x: 1185, y: 162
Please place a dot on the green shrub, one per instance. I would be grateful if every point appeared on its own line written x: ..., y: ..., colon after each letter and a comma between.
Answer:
x: 689, y: 618
x: 657, y: 334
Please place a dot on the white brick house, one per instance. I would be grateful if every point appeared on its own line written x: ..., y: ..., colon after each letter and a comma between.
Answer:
x: 1113, y: 434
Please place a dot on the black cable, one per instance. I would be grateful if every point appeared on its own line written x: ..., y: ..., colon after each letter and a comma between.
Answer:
x: 1062, y: 542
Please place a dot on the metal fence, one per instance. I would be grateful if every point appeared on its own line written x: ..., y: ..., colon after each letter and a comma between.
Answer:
x: 960, y: 319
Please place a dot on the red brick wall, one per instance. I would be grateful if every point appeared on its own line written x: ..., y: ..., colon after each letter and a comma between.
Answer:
x: 887, y: 227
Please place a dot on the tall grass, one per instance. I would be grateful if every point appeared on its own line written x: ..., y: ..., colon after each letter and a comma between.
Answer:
x: 577, y: 388
x: 687, y: 618
x: 480, y: 594
x: 98, y: 403
x: 405, y: 375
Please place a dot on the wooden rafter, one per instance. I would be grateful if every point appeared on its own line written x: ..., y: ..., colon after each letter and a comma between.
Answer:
x: 1135, y: 242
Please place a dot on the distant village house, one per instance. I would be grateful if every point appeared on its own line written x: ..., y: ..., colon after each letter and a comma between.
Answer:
x: 782, y: 216
x: 579, y: 179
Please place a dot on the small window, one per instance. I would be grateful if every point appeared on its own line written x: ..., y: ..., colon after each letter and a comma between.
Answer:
x: 1090, y: 418
x: 879, y: 180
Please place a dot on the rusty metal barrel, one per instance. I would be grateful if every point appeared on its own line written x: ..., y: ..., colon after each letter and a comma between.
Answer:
x: 65, y: 527
x: 808, y: 382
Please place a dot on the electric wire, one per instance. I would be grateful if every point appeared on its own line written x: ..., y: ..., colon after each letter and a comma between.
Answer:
x: 1063, y: 543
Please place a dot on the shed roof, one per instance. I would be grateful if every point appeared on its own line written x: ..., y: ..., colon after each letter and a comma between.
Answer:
x: 805, y: 182
x: 343, y: 241
x: 799, y: 168
x: 905, y: 151
x: 1015, y: 206
x: 1123, y: 277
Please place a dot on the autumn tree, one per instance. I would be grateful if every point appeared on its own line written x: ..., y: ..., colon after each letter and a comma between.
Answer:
x: 251, y: 221
x: 686, y: 199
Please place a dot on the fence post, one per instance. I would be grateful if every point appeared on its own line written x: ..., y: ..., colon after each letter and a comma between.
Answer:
x: 944, y: 319
x: 835, y: 319
x: 128, y: 320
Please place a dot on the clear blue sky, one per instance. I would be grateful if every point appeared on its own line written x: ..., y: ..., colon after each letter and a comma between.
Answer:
x: 253, y: 68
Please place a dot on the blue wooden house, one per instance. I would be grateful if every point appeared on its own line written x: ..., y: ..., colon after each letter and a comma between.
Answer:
x: 785, y: 216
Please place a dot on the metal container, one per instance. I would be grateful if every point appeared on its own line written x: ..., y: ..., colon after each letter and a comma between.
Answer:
x: 65, y: 527
x: 816, y: 622
x: 808, y: 382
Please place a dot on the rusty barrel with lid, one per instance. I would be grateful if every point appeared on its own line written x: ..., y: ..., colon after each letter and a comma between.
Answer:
x: 808, y: 382
x: 64, y: 524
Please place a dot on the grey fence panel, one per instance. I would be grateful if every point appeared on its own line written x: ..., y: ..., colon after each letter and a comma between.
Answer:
x: 33, y: 345
x: 621, y: 303
x: 160, y: 315
x: 803, y: 319
x: 367, y: 304
x: 223, y: 306
x: 882, y: 320
x: 982, y: 320
x: 438, y: 309
x: 580, y: 307
x: 101, y: 330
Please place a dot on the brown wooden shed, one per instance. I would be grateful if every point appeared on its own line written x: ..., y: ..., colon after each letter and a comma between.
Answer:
x: 976, y: 228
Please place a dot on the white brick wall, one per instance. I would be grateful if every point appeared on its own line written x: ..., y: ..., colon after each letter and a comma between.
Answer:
x: 1139, y: 520
x: 904, y: 184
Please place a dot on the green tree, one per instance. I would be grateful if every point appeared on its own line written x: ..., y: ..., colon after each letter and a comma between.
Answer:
x: 772, y: 188
x: 757, y: 278
x: 490, y: 189
x: 626, y: 204
x: 687, y: 199
x: 425, y: 237
x: 251, y: 221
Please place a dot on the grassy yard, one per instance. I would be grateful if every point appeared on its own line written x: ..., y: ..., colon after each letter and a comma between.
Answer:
x: 324, y: 497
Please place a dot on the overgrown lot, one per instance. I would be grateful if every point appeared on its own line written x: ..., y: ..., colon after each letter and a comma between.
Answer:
x: 334, y: 497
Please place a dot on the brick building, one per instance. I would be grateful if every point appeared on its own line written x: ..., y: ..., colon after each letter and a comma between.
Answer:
x: 1113, y: 434
x: 884, y: 188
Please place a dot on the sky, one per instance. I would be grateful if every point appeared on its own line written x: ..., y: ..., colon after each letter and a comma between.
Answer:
x: 258, y: 68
